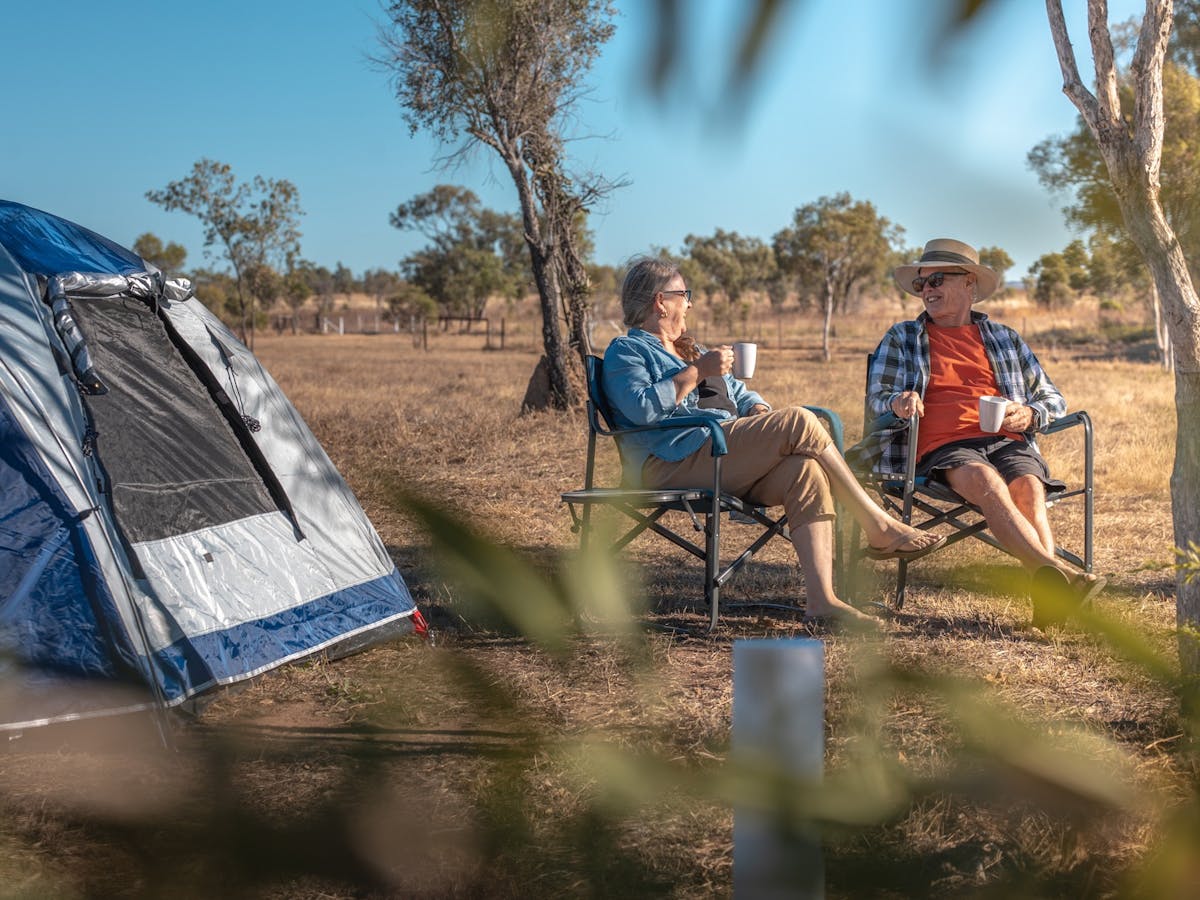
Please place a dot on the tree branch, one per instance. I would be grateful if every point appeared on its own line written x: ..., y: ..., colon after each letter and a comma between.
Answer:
x: 1073, y: 86
x: 1149, y: 122
x: 1107, y: 92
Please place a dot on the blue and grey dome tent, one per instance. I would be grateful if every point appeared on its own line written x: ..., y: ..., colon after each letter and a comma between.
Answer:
x: 168, y: 523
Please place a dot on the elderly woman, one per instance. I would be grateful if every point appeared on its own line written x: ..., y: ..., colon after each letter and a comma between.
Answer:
x: 776, y: 457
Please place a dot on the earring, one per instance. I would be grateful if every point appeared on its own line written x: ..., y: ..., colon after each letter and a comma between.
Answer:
x: 662, y: 314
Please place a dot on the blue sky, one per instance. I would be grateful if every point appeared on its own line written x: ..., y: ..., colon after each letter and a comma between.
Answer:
x: 109, y: 100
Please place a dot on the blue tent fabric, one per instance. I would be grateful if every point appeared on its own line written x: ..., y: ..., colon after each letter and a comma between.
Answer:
x: 46, y: 245
x: 55, y: 610
x: 191, y: 665
x: 86, y: 598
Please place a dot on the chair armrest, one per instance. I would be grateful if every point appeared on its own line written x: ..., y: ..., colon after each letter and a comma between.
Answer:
x: 1069, y: 421
x: 719, y: 446
x: 833, y: 422
x: 883, y: 422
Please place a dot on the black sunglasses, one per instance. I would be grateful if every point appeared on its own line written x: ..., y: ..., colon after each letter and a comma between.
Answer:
x: 934, y: 280
x: 687, y: 294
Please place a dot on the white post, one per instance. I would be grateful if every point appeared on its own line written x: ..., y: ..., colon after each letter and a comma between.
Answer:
x: 341, y: 324
x: 778, y: 729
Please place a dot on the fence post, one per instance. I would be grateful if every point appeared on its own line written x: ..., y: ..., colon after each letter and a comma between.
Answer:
x: 778, y: 734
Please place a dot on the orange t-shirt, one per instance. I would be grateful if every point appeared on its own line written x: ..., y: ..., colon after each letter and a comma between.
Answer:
x: 959, y: 374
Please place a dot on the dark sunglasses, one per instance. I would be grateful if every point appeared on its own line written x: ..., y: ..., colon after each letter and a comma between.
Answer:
x: 934, y: 280
x: 687, y: 294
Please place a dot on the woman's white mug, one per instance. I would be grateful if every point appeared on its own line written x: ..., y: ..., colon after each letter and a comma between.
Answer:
x: 991, y: 412
x: 745, y: 357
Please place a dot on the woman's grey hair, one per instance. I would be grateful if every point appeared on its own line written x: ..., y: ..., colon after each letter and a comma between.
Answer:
x: 646, y: 276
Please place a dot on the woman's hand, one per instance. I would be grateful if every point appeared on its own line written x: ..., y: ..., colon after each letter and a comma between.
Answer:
x: 908, y: 404
x: 715, y: 362
x: 1018, y: 418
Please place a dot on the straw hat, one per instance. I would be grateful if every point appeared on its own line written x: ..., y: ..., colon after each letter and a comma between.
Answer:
x: 944, y: 253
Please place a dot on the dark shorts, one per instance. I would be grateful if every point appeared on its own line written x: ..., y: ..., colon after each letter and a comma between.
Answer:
x: 1010, y: 458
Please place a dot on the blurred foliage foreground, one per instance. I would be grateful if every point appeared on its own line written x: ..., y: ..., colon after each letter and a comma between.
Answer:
x: 578, y: 812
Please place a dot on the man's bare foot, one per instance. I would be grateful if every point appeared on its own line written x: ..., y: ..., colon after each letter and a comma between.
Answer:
x: 1058, y: 592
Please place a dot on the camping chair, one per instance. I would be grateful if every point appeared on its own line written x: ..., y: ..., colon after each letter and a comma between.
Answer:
x: 926, y: 503
x: 647, y: 507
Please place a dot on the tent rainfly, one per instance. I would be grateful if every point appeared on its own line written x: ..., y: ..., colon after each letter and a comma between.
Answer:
x: 168, y: 523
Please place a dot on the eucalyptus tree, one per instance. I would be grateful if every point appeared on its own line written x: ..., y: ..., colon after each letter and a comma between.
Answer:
x: 732, y: 266
x: 1075, y: 165
x: 380, y: 284
x: 997, y: 259
x: 168, y: 257
x: 473, y: 252
x: 344, y: 282
x: 506, y: 74
x: 256, y: 225
x: 834, y: 247
x: 296, y: 287
x: 1131, y: 146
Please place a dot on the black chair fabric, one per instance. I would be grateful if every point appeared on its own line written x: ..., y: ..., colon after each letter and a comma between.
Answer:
x: 648, y: 507
x: 930, y: 504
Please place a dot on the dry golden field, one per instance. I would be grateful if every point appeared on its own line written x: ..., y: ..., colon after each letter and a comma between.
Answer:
x: 968, y: 753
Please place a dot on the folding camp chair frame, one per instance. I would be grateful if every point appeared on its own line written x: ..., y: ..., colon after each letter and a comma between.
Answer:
x: 940, y: 505
x: 647, y: 507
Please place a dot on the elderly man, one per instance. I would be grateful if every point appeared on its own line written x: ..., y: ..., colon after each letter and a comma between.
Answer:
x: 937, y: 367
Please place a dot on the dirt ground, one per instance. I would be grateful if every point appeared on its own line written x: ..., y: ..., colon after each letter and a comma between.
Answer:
x: 967, y: 753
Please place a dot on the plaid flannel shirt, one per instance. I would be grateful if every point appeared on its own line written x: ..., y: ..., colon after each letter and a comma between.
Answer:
x: 901, y: 363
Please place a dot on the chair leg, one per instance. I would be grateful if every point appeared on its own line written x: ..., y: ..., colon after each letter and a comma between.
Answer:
x: 585, y: 528
x: 901, y: 581
x: 712, y: 564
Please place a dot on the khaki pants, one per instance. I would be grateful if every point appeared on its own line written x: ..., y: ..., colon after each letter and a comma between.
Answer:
x: 770, y: 463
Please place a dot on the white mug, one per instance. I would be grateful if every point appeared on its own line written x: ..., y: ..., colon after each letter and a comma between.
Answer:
x: 991, y: 412
x: 745, y: 357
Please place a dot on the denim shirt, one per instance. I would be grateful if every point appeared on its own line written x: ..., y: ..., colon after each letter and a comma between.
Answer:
x: 638, y: 373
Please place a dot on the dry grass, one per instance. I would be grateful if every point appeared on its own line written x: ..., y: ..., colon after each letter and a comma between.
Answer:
x: 474, y: 768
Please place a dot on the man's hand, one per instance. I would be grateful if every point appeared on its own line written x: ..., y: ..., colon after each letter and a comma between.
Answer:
x: 1018, y: 418
x: 758, y: 409
x: 908, y: 404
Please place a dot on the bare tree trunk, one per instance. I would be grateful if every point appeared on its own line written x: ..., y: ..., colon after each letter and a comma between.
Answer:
x: 1162, y: 339
x: 576, y: 290
x: 1134, y: 163
x: 546, y: 278
x: 1181, y: 311
x: 543, y: 252
x: 828, y: 324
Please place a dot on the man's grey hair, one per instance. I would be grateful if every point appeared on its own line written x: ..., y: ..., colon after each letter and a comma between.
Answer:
x: 645, y: 277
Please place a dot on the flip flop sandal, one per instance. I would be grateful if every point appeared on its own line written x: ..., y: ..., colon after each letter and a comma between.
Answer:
x: 893, y: 551
x: 1087, y: 589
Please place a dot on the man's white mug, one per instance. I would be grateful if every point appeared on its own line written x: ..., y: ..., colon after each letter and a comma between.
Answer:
x: 991, y: 412
x: 745, y: 357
